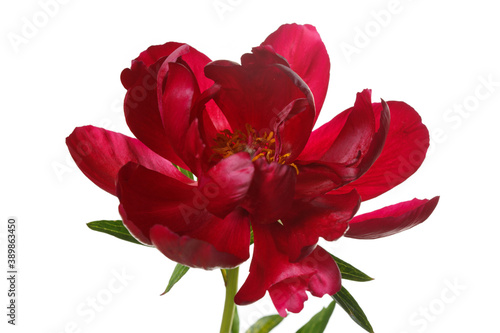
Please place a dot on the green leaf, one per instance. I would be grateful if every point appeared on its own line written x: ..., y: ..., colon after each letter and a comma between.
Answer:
x: 349, y: 304
x: 113, y: 228
x: 236, y: 322
x: 350, y: 272
x: 185, y: 172
x: 318, y: 323
x: 265, y: 324
x: 177, y: 274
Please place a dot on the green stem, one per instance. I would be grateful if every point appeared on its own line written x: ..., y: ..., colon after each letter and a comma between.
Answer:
x: 229, y: 306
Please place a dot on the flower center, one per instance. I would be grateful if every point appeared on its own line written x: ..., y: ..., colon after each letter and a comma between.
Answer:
x: 227, y: 144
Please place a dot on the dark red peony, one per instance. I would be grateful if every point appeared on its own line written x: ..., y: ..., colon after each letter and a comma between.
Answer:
x: 246, y: 132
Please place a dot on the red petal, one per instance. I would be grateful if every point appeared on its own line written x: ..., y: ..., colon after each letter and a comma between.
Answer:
x: 315, y: 180
x: 341, y: 140
x: 377, y: 144
x: 294, y: 133
x: 132, y: 228
x: 141, y: 102
x: 299, y: 115
x: 142, y: 112
x: 392, y: 219
x: 176, y: 101
x: 326, y: 216
x: 287, y: 282
x: 148, y: 198
x: 195, y: 60
x: 196, y: 148
x: 323, y: 138
x: 226, y: 184
x: 216, y: 243
x: 213, y: 121
x: 290, y: 294
x: 180, y: 89
x: 345, y: 148
x: 302, y: 47
x: 100, y: 154
x: 271, y: 193
x: 354, y: 140
x: 155, y: 52
x: 263, y: 55
x: 172, y: 216
x: 403, y: 153
x: 255, y: 95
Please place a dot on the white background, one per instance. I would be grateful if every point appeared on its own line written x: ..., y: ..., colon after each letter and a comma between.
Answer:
x: 65, y: 73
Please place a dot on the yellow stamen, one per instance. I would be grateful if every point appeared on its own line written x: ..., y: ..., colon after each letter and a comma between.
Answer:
x: 256, y: 157
x: 227, y: 144
x: 295, y: 167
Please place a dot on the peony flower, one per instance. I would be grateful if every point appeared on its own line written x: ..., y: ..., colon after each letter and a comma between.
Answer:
x: 246, y: 132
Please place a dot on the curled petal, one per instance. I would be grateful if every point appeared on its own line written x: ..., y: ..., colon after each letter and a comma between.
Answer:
x: 256, y: 95
x: 326, y: 216
x: 348, y: 145
x: 392, y: 219
x: 226, y: 184
x: 403, y: 153
x: 100, y: 154
x: 132, y: 228
x: 303, y: 109
x: 271, y: 192
x: 323, y: 138
x: 346, y: 140
x: 289, y: 294
x: 176, y: 101
x: 263, y: 55
x: 377, y: 143
x: 150, y: 56
x: 141, y: 101
x: 316, y: 179
x: 306, y: 54
x: 193, y: 143
x: 212, y: 121
x: 157, y: 53
x: 172, y: 216
x: 149, y: 198
x: 216, y: 243
x: 287, y: 282
x: 294, y: 132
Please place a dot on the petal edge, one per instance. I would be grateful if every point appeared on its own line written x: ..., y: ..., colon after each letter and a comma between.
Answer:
x: 392, y: 219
